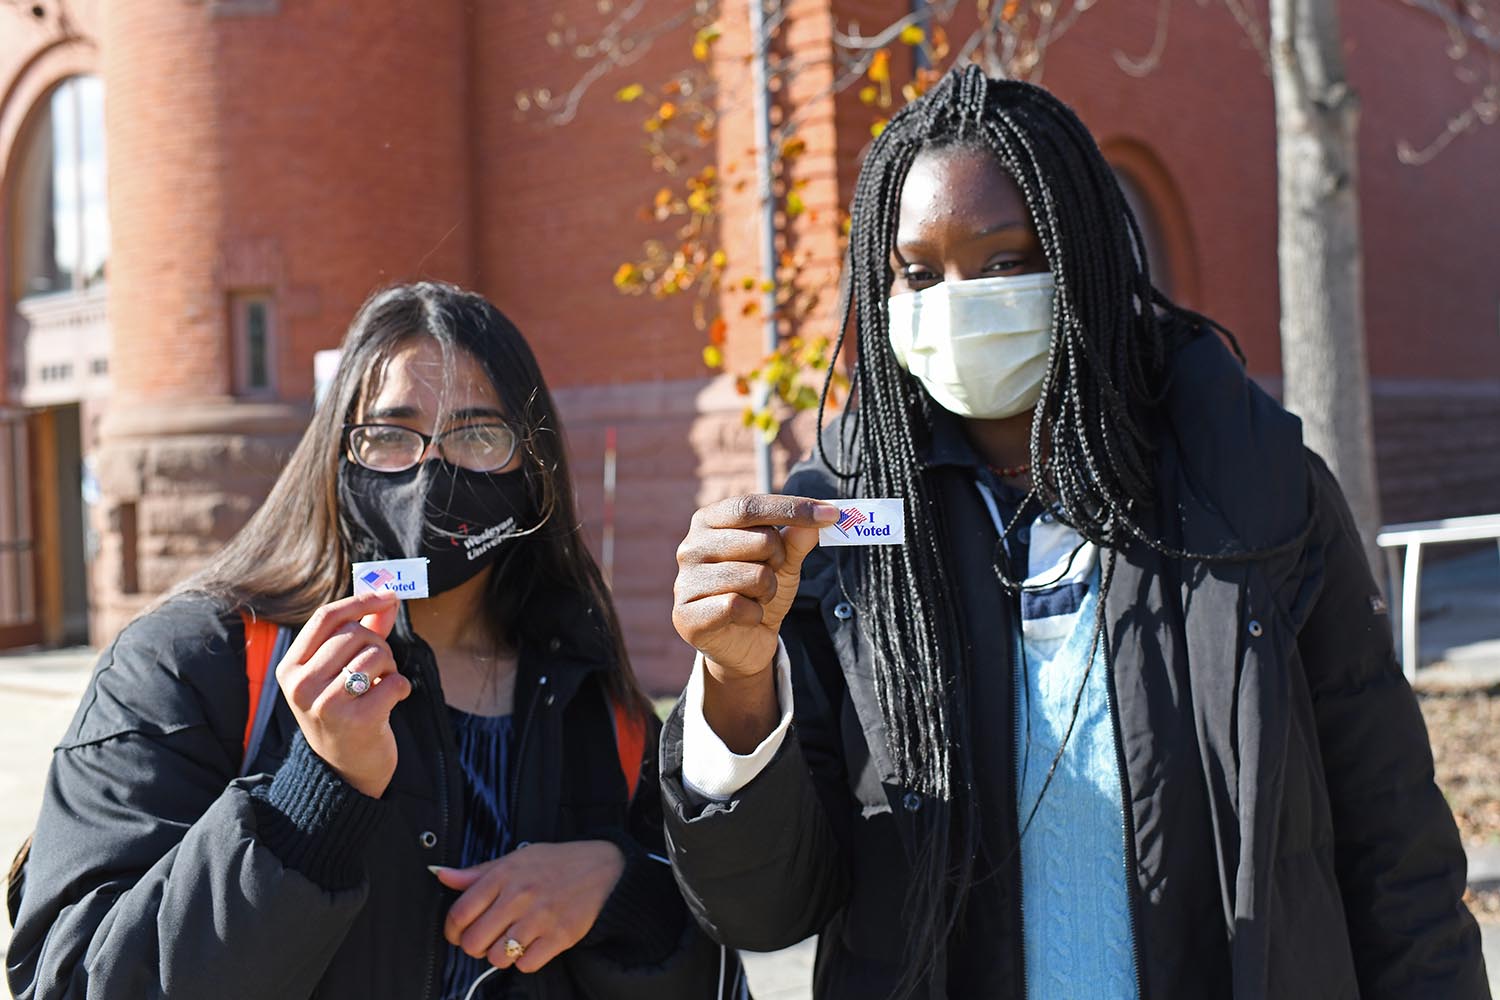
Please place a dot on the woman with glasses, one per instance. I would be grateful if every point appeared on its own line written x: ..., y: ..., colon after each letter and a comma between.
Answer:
x: 452, y: 796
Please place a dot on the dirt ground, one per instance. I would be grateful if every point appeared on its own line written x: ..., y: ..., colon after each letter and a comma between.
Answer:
x: 1465, y: 732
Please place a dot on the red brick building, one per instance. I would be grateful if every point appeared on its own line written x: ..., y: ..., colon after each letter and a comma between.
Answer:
x: 195, y: 195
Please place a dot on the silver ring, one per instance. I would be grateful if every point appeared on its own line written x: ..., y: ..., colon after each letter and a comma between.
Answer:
x: 357, y: 683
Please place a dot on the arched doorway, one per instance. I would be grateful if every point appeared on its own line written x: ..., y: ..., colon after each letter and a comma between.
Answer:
x: 56, y: 363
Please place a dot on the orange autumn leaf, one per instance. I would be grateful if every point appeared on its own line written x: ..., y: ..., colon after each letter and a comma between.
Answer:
x: 940, y: 46
x: 1010, y: 10
x: 627, y: 277
x: 667, y: 111
x: 880, y: 66
x: 703, y: 40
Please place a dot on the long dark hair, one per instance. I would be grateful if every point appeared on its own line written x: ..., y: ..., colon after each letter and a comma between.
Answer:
x: 295, y: 552
x: 1091, y: 453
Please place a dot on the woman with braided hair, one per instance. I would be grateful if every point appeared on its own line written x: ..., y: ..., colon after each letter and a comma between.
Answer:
x: 1121, y: 717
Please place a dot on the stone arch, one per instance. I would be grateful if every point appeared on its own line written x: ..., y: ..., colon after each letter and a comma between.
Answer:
x: 21, y: 102
x: 1163, y: 214
x: 22, y: 96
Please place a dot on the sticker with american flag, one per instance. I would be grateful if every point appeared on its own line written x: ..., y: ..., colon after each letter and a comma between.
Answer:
x: 866, y: 522
x: 406, y: 578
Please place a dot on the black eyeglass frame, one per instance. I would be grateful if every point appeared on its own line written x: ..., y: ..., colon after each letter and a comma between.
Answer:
x: 429, y: 439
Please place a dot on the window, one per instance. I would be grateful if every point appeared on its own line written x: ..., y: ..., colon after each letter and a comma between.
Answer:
x: 62, y: 241
x: 251, y: 323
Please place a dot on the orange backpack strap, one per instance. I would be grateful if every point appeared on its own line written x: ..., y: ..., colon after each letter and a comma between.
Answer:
x: 265, y: 643
x: 630, y: 744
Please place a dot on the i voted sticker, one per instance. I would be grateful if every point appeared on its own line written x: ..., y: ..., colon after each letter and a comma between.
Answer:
x: 866, y: 522
x: 406, y: 578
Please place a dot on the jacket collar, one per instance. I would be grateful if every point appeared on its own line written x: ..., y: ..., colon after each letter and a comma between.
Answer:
x: 947, y: 444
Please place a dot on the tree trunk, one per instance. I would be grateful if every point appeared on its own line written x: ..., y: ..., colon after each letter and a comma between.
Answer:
x: 1318, y: 248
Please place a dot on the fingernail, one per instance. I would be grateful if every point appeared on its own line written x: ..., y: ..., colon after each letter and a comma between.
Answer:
x: 436, y: 869
x: 826, y: 512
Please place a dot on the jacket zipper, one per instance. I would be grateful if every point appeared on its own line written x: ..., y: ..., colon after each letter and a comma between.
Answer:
x: 439, y: 708
x: 1127, y: 822
x: 515, y: 771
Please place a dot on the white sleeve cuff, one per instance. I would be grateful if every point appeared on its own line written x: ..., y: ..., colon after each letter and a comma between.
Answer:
x: 710, y: 770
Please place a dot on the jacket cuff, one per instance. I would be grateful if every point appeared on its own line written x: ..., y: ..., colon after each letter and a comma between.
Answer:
x: 636, y: 926
x: 314, y: 821
x: 711, y: 772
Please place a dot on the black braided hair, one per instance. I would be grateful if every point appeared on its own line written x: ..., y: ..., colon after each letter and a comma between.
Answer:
x: 1091, y: 455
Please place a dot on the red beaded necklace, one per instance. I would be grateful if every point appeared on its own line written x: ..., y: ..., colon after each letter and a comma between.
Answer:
x: 1010, y: 471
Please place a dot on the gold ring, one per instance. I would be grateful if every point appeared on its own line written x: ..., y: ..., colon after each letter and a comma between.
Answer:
x: 514, y: 949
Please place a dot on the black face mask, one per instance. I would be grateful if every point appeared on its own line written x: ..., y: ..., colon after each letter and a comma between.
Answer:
x: 455, y: 518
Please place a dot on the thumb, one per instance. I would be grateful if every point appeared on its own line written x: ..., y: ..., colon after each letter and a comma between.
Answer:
x: 457, y: 878
x: 799, y: 542
x: 383, y: 618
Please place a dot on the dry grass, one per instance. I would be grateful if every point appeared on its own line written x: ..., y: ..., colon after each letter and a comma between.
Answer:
x: 1465, y: 732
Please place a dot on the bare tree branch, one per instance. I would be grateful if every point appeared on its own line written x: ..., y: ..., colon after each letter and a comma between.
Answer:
x: 1146, y: 65
x: 614, y: 48
x: 1465, y: 25
x: 853, y: 40
x: 1054, y: 28
x: 1484, y: 109
x: 1252, y: 29
x: 1468, y: 24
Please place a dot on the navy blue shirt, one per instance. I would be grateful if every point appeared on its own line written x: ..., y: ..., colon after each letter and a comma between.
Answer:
x: 484, y: 749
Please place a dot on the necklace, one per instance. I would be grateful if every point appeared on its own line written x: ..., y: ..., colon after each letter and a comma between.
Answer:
x: 1010, y: 471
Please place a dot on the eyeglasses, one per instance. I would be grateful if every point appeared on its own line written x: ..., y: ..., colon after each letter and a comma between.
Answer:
x: 481, y: 447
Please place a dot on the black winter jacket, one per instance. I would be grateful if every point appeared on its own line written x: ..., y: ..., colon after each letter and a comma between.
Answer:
x: 155, y: 872
x: 1285, y: 839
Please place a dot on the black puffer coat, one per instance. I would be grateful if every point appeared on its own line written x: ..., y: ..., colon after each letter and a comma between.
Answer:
x: 156, y: 873
x: 1285, y: 837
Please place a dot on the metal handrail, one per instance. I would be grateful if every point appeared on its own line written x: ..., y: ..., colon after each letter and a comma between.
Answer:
x: 1411, y: 538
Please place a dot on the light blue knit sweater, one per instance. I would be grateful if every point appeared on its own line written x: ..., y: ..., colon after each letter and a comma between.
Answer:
x: 1074, y: 903
x: 1076, y: 928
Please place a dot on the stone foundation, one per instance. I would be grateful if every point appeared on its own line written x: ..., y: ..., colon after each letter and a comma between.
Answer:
x: 176, y: 483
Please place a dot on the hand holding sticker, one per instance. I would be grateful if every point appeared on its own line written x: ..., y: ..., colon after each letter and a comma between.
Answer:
x: 406, y: 578
x: 350, y: 732
x: 866, y: 522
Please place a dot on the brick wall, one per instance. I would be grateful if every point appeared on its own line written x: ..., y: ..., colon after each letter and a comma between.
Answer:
x: 316, y: 151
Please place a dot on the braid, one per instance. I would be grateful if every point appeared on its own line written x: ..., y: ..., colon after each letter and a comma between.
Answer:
x: 1090, y: 451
